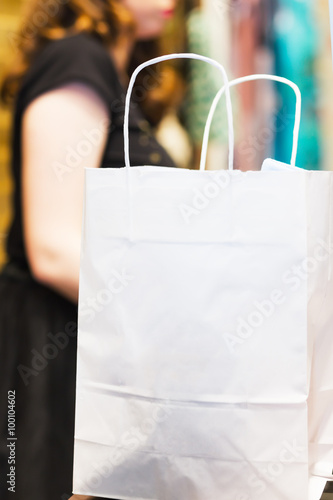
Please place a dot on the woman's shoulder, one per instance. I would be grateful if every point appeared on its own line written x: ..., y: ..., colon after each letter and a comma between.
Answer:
x: 76, y: 58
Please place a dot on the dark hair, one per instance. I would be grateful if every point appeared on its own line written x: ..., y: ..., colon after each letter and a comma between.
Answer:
x: 106, y: 20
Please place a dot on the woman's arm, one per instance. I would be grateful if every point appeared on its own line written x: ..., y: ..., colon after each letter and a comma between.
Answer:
x: 64, y: 131
x: 80, y: 497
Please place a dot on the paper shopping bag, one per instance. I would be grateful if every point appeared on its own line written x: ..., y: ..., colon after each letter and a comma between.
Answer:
x: 192, y: 377
x: 317, y: 271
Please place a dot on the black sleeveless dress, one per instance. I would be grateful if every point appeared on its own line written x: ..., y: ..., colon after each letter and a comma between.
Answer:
x: 38, y: 326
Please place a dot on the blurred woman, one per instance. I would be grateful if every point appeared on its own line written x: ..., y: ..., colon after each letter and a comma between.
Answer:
x: 74, y: 57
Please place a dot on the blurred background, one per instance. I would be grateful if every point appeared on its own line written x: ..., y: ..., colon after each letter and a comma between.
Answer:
x: 290, y: 38
x: 9, y: 19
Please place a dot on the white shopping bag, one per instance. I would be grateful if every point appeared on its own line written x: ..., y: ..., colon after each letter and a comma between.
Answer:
x: 318, y: 272
x: 192, y: 346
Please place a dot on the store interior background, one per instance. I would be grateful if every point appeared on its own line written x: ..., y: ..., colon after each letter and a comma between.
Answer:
x: 290, y: 38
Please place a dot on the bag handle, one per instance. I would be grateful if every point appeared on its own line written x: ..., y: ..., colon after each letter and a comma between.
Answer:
x: 228, y: 102
x: 249, y: 78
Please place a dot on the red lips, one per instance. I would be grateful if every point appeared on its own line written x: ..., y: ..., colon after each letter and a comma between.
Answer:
x: 168, y: 13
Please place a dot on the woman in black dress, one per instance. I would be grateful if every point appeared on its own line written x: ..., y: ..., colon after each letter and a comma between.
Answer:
x: 68, y: 91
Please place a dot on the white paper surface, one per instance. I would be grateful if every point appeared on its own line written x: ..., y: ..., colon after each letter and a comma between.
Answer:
x: 192, y: 367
